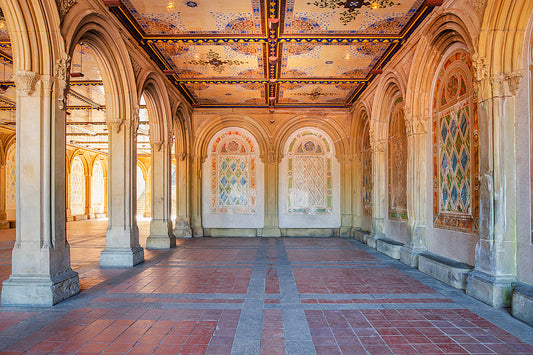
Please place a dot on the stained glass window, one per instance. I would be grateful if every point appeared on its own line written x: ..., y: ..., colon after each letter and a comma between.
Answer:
x: 455, y: 140
x: 397, y: 162
x: 233, y: 173
x: 309, y: 173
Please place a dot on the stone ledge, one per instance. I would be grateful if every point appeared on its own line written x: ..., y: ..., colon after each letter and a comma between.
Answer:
x: 389, y: 247
x: 522, y: 303
x: 449, y: 271
x: 359, y: 234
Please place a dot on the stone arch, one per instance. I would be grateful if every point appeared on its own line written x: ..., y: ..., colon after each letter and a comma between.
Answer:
x: 331, y: 128
x: 233, y: 181
x: 389, y: 89
x: 113, y: 62
x: 156, y: 96
x: 309, y: 181
x: 208, y: 129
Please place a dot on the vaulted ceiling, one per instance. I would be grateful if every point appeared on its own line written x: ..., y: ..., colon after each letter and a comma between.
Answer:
x: 270, y: 53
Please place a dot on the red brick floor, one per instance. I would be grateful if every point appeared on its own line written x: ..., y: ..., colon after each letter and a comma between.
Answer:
x: 254, y: 296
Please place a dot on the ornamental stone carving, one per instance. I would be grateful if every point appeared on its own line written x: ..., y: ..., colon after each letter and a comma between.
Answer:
x: 26, y: 81
x: 513, y: 81
x: 478, y: 5
x: 157, y: 145
x: 115, y: 124
x: 64, y: 6
x: 62, y: 70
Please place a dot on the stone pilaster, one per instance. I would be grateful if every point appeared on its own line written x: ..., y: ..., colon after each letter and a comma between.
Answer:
x: 122, y: 236
x: 182, y: 227
x: 196, y: 198
x: 495, y: 262
x: 357, y: 193
x: 271, y: 162
x: 379, y: 193
x: 416, y: 189
x: 161, y: 236
x: 346, y: 197
x: 40, y: 269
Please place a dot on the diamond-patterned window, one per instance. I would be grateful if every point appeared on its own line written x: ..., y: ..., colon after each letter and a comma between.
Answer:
x: 309, y: 175
x: 367, y: 169
x: 233, y: 177
x: 455, y: 153
x: 97, y: 188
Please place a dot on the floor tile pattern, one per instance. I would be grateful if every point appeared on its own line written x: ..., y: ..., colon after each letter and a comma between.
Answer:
x: 254, y: 296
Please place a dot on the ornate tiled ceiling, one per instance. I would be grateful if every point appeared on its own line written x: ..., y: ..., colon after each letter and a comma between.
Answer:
x: 261, y: 53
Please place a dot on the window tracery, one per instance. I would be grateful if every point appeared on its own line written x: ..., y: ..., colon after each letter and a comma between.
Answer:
x: 97, y: 188
x: 77, y: 187
x: 455, y: 146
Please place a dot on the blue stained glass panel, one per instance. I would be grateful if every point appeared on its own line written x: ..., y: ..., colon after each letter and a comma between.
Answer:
x: 454, y: 195
x: 454, y: 162
x: 453, y: 127
x: 464, y: 159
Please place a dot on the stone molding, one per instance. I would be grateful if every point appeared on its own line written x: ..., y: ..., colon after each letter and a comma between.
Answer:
x: 115, y: 124
x: 478, y: 5
x: 26, y: 81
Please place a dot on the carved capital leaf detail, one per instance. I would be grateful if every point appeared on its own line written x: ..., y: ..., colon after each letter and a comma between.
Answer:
x: 25, y: 81
x: 115, y: 124
x: 513, y: 81
x: 62, y: 70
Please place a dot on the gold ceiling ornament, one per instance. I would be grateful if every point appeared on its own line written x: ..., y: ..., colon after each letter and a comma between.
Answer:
x: 215, y: 62
x: 351, y: 8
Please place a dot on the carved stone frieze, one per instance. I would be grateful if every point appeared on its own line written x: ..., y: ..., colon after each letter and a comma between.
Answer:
x: 378, y: 145
x: 416, y: 125
x: 26, y: 81
x: 64, y: 6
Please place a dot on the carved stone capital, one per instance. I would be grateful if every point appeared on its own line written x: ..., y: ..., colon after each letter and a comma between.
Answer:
x: 497, y: 82
x: 344, y: 158
x: 157, y: 145
x: 26, y: 81
x: 513, y: 81
x: 115, y: 124
x: 181, y: 156
x: 478, y: 5
x: 415, y: 126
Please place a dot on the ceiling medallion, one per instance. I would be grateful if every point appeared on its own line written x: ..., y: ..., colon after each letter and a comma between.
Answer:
x: 191, y: 3
x: 351, y: 8
x: 215, y: 62
x: 315, y: 94
x: 328, y: 62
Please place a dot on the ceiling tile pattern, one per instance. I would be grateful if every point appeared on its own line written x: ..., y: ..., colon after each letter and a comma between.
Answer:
x: 268, y: 53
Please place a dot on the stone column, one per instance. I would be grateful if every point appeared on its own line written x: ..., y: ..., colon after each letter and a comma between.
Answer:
x: 161, y: 236
x: 3, y: 183
x: 495, y: 265
x: 346, y: 196
x: 416, y: 189
x: 182, y: 228
x: 196, y: 196
x: 271, y: 162
x: 106, y: 196
x: 379, y: 192
x: 68, y: 212
x: 40, y: 269
x: 357, y: 193
x: 122, y: 236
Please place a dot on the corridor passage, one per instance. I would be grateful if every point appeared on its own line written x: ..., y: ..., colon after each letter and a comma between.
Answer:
x: 255, y: 296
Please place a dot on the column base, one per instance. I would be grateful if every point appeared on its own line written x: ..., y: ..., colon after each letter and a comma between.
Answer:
x: 121, y: 257
x: 370, y: 239
x: 271, y: 232
x: 345, y: 232
x: 409, y: 255
x: 161, y: 241
x: 492, y: 290
x: 39, y: 290
x: 182, y: 229
x: 197, y: 232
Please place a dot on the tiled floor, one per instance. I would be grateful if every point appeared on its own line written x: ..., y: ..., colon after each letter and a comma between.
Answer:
x: 254, y: 296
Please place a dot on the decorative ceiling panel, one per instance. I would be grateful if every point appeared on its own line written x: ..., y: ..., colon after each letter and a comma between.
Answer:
x: 313, y: 94
x: 172, y: 17
x: 215, y: 61
x: 383, y: 17
x: 233, y: 94
x: 330, y: 61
